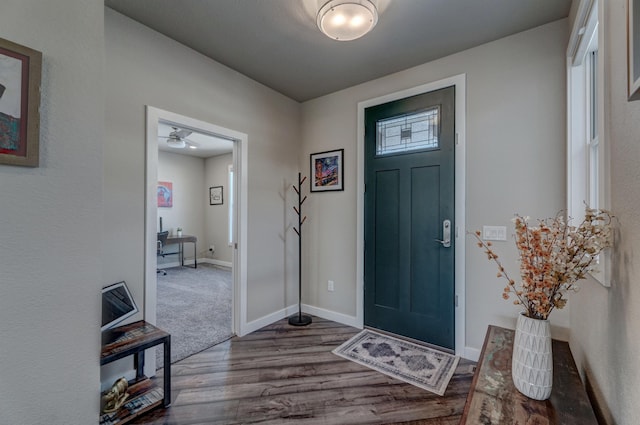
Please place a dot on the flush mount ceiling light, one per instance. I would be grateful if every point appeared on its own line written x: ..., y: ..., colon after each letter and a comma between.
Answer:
x: 345, y: 20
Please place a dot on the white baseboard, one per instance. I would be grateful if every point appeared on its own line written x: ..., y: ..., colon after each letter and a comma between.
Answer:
x: 254, y: 325
x: 216, y: 262
x: 191, y: 263
x: 260, y: 323
x: 169, y: 265
x: 469, y: 353
x: 331, y: 315
x: 472, y: 354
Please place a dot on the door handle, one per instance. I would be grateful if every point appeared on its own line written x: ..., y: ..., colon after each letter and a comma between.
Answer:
x: 446, y: 234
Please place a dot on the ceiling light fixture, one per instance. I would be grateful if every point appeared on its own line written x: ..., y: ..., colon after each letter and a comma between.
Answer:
x: 345, y: 20
x: 174, y: 142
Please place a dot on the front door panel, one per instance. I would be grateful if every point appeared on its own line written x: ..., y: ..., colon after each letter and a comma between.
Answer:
x: 409, y: 171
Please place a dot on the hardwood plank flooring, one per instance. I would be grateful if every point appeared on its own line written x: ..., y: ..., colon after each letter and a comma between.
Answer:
x: 283, y: 374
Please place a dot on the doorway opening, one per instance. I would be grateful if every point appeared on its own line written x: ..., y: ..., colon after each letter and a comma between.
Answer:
x: 216, y: 194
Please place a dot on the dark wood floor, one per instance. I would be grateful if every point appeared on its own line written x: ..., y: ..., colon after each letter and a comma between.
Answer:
x: 287, y: 375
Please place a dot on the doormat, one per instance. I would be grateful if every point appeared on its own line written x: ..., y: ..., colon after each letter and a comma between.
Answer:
x: 415, y: 364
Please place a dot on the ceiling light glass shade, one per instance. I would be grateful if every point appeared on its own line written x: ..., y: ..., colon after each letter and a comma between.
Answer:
x: 345, y: 20
x: 176, y: 143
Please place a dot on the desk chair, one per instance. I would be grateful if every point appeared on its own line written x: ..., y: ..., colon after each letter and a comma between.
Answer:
x: 162, y: 240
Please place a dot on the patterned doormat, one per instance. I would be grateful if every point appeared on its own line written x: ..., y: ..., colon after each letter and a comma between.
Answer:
x: 415, y: 364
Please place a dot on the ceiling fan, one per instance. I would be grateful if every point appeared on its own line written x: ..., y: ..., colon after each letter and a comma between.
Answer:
x: 178, y: 139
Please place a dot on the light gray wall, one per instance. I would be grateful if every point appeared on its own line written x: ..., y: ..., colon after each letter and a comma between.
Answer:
x: 217, y: 216
x: 51, y: 224
x: 187, y: 175
x: 56, y: 210
x: 515, y: 150
x: 146, y: 68
x: 605, y: 322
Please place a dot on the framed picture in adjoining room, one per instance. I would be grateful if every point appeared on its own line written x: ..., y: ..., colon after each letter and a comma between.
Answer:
x: 215, y: 195
x: 165, y: 194
x: 633, y: 46
x: 20, y: 74
x: 327, y: 171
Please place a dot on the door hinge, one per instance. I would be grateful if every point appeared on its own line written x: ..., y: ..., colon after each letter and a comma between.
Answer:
x: 457, y: 141
x: 235, y: 245
x: 456, y: 301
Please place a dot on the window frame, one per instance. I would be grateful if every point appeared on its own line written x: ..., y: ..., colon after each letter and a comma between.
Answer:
x: 587, y: 150
x: 230, y: 205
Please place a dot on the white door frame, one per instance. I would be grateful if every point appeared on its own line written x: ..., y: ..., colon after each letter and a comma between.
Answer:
x: 240, y: 161
x: 459, y: 81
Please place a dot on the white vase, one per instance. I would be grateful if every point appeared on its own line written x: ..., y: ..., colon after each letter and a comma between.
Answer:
x: 532, y: 361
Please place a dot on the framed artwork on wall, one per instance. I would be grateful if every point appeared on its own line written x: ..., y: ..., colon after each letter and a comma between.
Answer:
x: 215, y: 195
x: 20, y: 74
x: 327, y: 171
x: 165, y: 194
x: 633, y: 45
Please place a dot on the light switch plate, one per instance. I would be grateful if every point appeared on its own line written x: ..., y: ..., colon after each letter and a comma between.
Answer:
x: 494, y: 233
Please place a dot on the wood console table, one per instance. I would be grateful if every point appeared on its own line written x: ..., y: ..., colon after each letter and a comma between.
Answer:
x: 144, y: 395
x: 493, y: 399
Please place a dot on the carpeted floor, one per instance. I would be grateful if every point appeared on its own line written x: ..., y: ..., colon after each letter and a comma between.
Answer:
x: 194, y: 306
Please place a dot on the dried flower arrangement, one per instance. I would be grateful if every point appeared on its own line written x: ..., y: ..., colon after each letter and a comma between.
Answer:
x: 553, y: 256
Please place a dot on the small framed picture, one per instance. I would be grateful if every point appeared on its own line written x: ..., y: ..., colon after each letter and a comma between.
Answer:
x: 327, y: 171
x: 215, y: 195
x: 20, y: 73
x: 165, y: 194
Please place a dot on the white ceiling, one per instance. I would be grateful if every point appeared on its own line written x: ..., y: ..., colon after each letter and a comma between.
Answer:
x: 277, y: 42
x: 206, y: 145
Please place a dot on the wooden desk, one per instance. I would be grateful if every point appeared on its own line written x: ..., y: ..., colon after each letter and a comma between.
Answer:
x: 180, y: 240
x: 144, y: 395
x: 493, y: 399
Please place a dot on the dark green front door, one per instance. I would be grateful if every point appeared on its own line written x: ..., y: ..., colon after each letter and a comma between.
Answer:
x: 409, y: 209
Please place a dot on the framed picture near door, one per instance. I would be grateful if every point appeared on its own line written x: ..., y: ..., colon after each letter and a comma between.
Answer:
x: 327, y: 171
x: 20, y: 73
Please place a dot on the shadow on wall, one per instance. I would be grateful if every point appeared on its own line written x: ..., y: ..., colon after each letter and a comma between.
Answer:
x: 601, y: 410
x: 286, y: 228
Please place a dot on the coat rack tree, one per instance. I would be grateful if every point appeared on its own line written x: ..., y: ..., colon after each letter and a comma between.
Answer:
x: 299, y: 319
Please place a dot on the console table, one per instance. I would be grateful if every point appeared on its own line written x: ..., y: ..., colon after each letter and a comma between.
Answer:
x: 144, y: 395
x: 493, y: 399
x: 180, y: 240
